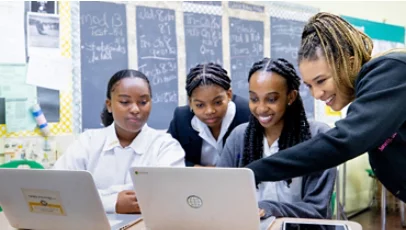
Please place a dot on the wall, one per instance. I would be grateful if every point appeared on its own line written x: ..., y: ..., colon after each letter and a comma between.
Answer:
x: 358, y: 184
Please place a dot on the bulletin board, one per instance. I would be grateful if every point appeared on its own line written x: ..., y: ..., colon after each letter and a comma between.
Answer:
x: 64, y: 124
x: 165, y: 39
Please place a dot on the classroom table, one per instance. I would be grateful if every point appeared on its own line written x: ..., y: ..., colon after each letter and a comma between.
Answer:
x: 4, y: 225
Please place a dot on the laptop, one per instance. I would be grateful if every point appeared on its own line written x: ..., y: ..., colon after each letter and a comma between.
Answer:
x: 55, y: 199
x: 173, y: 198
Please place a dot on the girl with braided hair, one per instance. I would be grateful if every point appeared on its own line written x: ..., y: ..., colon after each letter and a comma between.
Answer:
x: 203, y: 126
x: 336, y: 64
x: 278, y: 121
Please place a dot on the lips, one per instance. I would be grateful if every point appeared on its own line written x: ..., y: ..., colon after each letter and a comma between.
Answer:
x: 330, y: 100
x: 211, y: 120
x: 134, y: 119
x: 264, y: 119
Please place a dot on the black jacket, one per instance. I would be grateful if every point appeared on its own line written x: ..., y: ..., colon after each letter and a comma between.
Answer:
x: 181, y: 129
x: 375, y: 123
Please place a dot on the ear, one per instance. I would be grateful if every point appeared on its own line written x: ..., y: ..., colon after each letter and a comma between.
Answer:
x: 292, y: 96
x: 108, y: 105
x: 230, y: 94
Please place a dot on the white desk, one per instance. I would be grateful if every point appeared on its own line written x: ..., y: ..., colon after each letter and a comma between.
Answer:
x: 4, y: 225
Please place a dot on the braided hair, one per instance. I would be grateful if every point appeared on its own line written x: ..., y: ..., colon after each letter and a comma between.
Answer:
x: 344, y: 47
x: 296, y: 127
x: 207, y: 74
x: 106, y: 116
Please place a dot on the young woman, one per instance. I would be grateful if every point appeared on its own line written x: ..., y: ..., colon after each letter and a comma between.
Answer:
x: 279, y: 122
x: 126, y: 141
x: 335, y: 62
x: 203, y: 126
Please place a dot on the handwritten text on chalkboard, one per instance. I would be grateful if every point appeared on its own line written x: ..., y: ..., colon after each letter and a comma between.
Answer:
x: 157, y: 59
x: 203, y: 37
x: 246, y: 48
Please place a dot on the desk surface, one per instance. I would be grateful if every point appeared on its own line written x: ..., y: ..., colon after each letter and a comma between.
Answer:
x: 4, y: 225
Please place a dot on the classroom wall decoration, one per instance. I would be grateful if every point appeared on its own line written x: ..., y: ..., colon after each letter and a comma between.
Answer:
x: 55, y: 103
x: 162, y: 39
x: 165, y: 39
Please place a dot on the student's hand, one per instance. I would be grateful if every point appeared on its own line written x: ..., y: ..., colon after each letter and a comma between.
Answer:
x: 127, y: 203
x: 261, y: 213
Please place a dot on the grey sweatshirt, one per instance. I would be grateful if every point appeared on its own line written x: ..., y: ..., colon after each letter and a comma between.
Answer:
x: 315, y: 189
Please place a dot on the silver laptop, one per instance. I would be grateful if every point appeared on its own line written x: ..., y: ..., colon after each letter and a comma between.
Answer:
x: 55, y: 199
x: 187, y: 198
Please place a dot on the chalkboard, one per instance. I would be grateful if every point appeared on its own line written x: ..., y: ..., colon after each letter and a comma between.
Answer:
x: 209, y: 3
x: 246, y: 6
x: 158, y: 59
x: 246, y: 47
x: 103, y: 42
x: 285, y: 42
x: 203, y: 39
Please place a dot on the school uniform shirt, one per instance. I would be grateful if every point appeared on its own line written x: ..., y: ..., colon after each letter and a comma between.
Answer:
x: 375, y: 123
x: 305, y: 197
x: 211, y: 148
x: 182, y: 130
x: 99, y: 152
x: 278, y: 191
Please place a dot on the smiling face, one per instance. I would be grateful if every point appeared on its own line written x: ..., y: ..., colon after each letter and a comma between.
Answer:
x: 130, y: 105
x: 319, y: 79
x: 209, y: 103
x: 269, y: 98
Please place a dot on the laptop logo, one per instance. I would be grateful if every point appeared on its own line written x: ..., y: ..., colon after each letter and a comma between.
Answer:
x: 194, y: 201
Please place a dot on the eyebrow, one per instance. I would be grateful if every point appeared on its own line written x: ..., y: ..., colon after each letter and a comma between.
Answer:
x: 266, y: 93
x: 218, y: 97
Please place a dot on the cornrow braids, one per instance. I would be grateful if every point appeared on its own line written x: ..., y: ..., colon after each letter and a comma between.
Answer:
x: 345, y: 48
x: 296, y: 127
x: 207, y: 74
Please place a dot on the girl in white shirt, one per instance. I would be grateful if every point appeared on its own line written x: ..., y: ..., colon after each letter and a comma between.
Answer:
x: 126, y: 141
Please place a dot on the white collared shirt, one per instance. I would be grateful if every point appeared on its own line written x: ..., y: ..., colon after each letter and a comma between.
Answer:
x: 99, y: 152
x: 211, y: 148
x: 278, y: 191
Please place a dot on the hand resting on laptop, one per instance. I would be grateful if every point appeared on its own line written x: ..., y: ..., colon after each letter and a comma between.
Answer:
x: 127, y: 203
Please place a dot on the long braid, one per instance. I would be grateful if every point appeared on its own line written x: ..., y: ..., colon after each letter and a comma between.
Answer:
x: 296, y: 127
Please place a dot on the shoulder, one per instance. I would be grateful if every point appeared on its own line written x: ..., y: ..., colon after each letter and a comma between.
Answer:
x: 318, y: 127
x: 159, y: 137
x: 242, y: 108
x: 237, y: 135
x: 390, y: 65
x: 182, y: 112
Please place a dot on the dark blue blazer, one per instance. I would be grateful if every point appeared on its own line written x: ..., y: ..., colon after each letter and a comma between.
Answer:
x: 181, y: 129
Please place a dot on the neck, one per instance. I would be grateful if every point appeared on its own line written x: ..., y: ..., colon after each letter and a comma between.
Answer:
x: 125, y: 138
x: 215, y: 131
x: 274, y: 132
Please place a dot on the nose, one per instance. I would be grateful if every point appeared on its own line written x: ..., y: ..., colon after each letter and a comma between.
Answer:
x: 210, y: 110
x: 262, y: 108
x: 317, y: 93
x: 134, y: 108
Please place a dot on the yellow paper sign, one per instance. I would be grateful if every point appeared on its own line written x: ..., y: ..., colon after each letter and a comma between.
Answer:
x: 330, y: 112
x: 44, y: 201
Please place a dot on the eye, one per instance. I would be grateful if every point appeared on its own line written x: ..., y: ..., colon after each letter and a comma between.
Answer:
x: 124, y: 102
x: 320, y: 81
x: 272, y: 100
x: 143, y: 102
x: 308, y: 86
x: 253, y: 99
x: 199, y: 105
x: 219, y: 102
